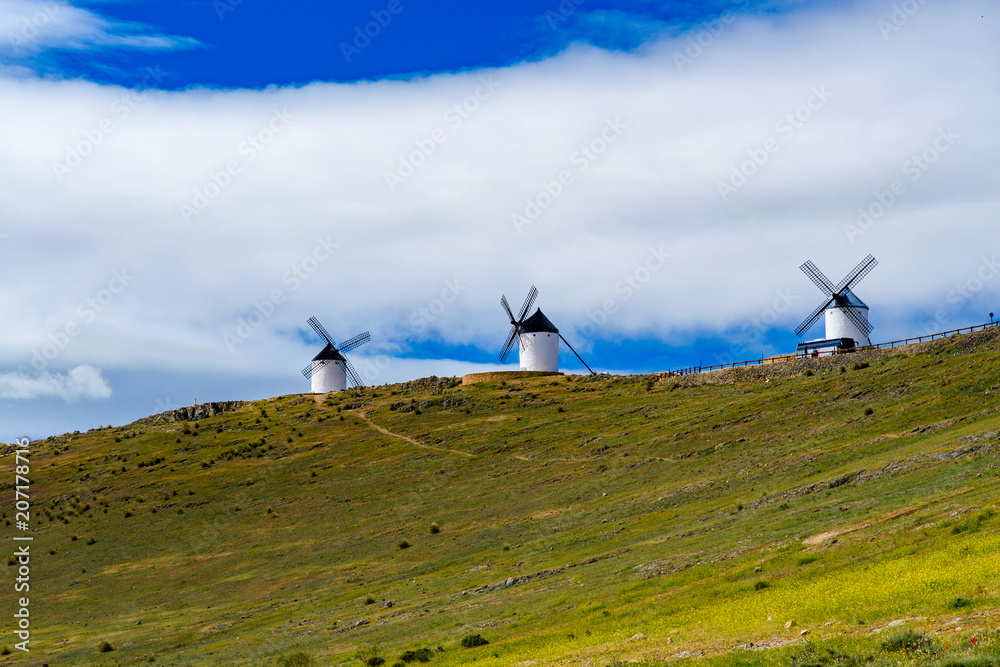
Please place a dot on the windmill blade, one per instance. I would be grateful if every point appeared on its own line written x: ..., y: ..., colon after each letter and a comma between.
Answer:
x: 815, y: 275
x: 320, y: 331
x: 528, y: 302
x: 351, y: 373
x: 809, y: 321
x: 355, y: 342
x: 506, y: 307
x: 509, y: 344
x: 314, y: 366
x: 859, y: 272
x: 856, y: 319
x: 577, y: 355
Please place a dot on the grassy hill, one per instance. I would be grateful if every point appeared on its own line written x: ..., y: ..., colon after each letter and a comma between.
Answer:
x: 566, y: 520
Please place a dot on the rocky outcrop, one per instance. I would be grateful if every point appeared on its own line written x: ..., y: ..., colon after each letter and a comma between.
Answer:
x: 193, y: 412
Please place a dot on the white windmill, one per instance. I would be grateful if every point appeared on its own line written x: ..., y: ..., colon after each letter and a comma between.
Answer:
x: 330, y: 369
x: 846, y: 315
x: 537, y: 337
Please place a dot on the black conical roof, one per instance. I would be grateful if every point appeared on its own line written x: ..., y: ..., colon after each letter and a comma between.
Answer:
x: 328, y: 353
x: 538, y: 323
x: 850, y: 300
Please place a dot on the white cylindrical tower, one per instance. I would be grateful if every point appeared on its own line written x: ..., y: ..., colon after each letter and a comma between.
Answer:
x: 329, y: 372
x: 839, y: 324
x: 539, y: 344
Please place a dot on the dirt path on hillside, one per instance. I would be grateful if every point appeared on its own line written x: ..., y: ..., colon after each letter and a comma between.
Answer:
x: 837, y: 532
x: 412, y: 441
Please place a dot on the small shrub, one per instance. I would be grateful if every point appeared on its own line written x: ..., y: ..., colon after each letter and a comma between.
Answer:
x: 435, y: 528
x: 105, y: 647
x: 869, y: 411
x: 91, y: 541
x: 971, y: 662
x: 843, y: 369
x: 472, y: 641
x: 404, y: 545
x: 827, y: 657
x: 805, y: 560
x: 375, y: 661
x: 907, y: 641
x: 859, y: 365
x: 960, y: 603
x: 5, y: 650
x: 296, y: 660
x: 369, y: 600
x: 809, y: 373
x: 972, y: 524
x: 761, y: 585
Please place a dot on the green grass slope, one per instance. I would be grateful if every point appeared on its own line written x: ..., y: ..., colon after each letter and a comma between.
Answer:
x: 566, y: 520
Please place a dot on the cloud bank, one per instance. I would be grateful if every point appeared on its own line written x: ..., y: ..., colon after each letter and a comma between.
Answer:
x: 82, y: 382
x: 34, y: 32
x: 197, y: 230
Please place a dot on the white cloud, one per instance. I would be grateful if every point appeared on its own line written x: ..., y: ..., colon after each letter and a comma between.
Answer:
x: 82, y: 382
x: 95, y: 176
x: 31, y: 27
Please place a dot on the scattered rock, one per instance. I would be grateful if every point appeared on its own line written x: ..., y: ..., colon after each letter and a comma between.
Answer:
x: 804, y: 632
x: 686, y: 654
x: 758, y: 569
x: 894, y: 624
x: 636, y: 637
x: 790, y: 624
x: 193, y: 412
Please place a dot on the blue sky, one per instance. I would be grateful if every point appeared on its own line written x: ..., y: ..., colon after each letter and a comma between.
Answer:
x: 185, y: 183
x: 245, y: 44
